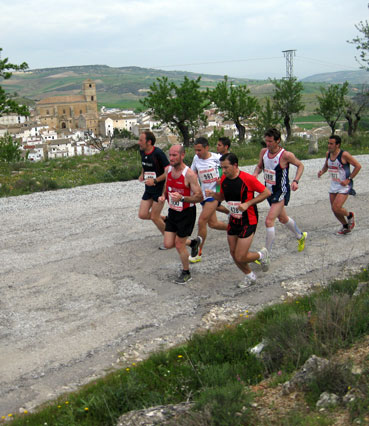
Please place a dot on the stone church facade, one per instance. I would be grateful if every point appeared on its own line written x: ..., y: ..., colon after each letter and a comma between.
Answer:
x: 72, y: 111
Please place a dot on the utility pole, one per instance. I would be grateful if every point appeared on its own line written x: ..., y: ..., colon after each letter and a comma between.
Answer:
x: 289, y: 54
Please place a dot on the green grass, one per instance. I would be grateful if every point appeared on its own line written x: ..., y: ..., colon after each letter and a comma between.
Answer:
x: 113, y: 165
x: 214, y: 369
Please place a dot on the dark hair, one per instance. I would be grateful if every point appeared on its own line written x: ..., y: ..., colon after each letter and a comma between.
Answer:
x: 225, y: 141
x: 150, y: 137
x: 232, y: 158
x: 274, y: 133
x: 201, y: 141
x: 336, y: 138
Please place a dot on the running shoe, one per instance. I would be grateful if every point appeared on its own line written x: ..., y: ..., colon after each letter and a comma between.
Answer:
x: 344, y: 231
x: 195, y: 259
x: 257, y: 261
x: 183, y: 278
x: 301, y: 242
x: 264, y: 261
x: 351, y: 221
x: 247, y: 282
x: 195, y: 247
x: 162, y: 247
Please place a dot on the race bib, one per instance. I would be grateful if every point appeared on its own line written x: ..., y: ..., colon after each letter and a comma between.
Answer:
x: 149, y: 175
x: 233, y: 209
x: 269, y: 176
x: 208, y: 176
x: 175, y: 205
x: 334, y: 173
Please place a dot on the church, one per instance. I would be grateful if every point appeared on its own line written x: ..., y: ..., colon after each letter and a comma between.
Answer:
x: 71, y: 111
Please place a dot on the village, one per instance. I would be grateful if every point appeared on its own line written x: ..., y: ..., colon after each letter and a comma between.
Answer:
x: 67, y: 126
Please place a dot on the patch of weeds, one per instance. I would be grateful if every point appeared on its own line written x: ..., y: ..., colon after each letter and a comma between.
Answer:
x: 334, y: 378
x: 228, y: 405
x: 296, y: 418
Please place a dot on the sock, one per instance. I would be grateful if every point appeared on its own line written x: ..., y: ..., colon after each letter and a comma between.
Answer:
x: 186, y: 271
x: 350, y: 215
x: 261, y: 255
x: 270, y: 235
x: 251, y: 276
x: 291, y: 225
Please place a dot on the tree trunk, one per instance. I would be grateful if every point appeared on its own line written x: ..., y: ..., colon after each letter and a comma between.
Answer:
x: 183, y: 130
x: 287, y: 125
x: 356, y: 123
x: 241, y: 131
x: 350, y: 130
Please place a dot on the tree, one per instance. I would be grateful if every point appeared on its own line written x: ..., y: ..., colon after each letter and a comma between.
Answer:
x: 236, y: 103
x: 181, y: 107
x: 287, y: 100
x: 267, y: 117
x: 332, y: 103
x: 9, y: 149
x: 355, y: 109
x: 7, y: 103
x: 362, y: 44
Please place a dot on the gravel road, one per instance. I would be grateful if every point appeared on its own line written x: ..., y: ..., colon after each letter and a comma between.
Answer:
x: 84, y: 288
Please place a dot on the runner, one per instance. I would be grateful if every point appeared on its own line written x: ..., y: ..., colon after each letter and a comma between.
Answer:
x: 223, y: 147
x: 274, y: 161
x: 237, y: 188
x: 154, y: 162
x: 338, y: 165
x: 206, y: 165
x: 182, y: 191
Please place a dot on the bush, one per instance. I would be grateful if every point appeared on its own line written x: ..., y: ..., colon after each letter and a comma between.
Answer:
x: 9, y: 150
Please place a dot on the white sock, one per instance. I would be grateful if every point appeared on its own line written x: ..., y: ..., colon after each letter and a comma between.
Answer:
x: 270, y: 235
x: 291, y: 225
x: 251, y: 276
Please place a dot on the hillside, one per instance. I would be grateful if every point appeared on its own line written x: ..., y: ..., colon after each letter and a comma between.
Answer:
x: 353, y: 77
x: 123, y: 87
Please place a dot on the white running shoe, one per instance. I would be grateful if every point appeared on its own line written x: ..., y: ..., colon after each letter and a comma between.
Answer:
x: 195, y: 259
x: 247, y: 282
x: 264, y: 261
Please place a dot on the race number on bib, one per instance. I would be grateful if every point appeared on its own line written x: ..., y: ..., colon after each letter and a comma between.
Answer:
x: 175, y: 205
x: 269, y: 176
x: 208, y: 176
x: 149, y: 175
x: 334, y: 173
x: 233, y: 209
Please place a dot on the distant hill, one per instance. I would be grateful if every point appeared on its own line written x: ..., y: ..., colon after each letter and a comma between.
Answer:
x: 353, y: 77
x: 123, y: 87
x: 115, y: 86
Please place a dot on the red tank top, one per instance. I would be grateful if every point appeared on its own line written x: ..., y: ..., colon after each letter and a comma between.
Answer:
x: 178, y: 185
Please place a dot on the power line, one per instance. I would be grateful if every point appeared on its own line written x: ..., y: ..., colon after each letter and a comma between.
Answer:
x: 217, y: 62
x: 326, y: 63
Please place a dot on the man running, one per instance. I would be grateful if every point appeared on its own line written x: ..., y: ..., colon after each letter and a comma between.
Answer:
x: 154, y: 162
x: 206, y: 165
x: 338, y: 163
x: 275, y: 161
x: 223, y: 147
x: 182, y: 190
x: 237, y: 188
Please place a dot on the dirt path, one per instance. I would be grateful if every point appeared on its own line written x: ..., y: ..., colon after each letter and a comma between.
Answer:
x: 83, y: 284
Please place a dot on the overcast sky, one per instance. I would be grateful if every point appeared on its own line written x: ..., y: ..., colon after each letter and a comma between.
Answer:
x: 239, y: 38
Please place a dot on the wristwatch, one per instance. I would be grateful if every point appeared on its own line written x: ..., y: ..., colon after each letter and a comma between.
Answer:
x: 155, y: 181
x: 295, y: 180
x: 350, y: 178
x: 182, y: 199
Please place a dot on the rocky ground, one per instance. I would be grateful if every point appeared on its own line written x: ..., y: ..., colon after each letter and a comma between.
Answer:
x: 84, y: 288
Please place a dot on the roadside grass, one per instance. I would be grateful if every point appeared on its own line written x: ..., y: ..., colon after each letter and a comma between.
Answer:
x: 216, y: 369
x: 118, y: 165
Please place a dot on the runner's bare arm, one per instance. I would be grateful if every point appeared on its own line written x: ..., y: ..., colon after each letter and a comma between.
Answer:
x: 354, y: 163
x: 325, y: 167
x: 153, y: 182
x: 141, y: 177
x: 258, y: 199
x: 193, y: 182
x: 163, y: 196
x: 216, y: 195
x: 291, y: 158
x: 259, y: 166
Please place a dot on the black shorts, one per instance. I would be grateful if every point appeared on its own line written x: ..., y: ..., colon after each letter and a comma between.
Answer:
x: 152, y: 195
x: 278, y: 196
x: 241, y: 231
x: 181, y: 223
